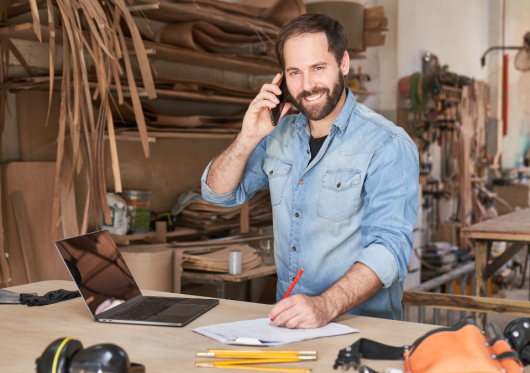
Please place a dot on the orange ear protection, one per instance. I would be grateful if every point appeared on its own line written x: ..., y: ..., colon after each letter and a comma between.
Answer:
x: 66, y: 355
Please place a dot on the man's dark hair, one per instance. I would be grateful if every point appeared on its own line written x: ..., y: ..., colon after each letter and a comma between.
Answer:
x: 313, y: 23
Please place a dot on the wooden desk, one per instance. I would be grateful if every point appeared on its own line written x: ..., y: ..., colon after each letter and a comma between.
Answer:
x: 26, y: 331
x: 513, y: 227
x: 220, y: 279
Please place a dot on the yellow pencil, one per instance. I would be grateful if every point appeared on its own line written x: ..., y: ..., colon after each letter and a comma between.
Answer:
x: 250, y: 367
x: 254, y: 354
x: 257, y: 356
x: 258, y: 361
x: 264, y: 351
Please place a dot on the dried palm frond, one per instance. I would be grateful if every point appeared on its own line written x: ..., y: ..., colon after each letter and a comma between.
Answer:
x: 93, y: 40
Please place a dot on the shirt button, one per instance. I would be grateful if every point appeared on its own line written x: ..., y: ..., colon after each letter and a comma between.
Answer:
x: 307, y: 151
x: 338, y: 185
x: 294, y: 278
x: 294, y: 248
x: 302, y: 181
x: 271, y: 172
x: 297, y: 214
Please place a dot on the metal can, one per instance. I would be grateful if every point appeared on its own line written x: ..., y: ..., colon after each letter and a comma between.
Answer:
x: 139, y: 202
x: 234, y: 263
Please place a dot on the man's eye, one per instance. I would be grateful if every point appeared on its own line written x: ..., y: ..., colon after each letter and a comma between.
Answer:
x: 318, y: 68
x: 295, y: 73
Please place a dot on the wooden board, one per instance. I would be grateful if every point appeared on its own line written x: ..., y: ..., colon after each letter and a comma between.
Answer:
x: 175, y: 166
x: 514, y: 226
x: 35, y: 181
x: 37, y: 141
x: 466, y: 303
x: 5, y: 269
x: 126, y: 239
x: 26, y: 331
x: 260, y: 271
x: 21, y: 218
x: 223, y: 241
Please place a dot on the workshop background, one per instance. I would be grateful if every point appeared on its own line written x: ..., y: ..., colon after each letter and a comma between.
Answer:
x: 146, y: 93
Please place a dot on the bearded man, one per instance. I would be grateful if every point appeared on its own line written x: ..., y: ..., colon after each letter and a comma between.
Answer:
x: 343, y: 182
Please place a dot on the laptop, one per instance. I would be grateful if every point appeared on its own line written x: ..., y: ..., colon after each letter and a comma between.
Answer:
x: 110, y: 291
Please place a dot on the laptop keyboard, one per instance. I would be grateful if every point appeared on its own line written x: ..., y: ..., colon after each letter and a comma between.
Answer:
x: 146, y: 309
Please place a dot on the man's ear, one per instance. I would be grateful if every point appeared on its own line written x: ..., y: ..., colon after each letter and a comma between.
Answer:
x: 345, y: 63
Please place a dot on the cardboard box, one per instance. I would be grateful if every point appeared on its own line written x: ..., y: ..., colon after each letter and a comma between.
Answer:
x: 517, y: 195
x: 448, y: 232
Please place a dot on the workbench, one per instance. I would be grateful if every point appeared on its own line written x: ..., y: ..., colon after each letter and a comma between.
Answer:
x: 27, y: 331
x: 219, y: 280
x: 513, y: 228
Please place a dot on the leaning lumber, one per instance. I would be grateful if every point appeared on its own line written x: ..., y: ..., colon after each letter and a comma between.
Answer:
x: 466, y: 303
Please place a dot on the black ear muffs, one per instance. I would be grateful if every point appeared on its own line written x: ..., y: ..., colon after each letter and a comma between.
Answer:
x: 104, y: 358
x: 66, y: 355
x: 56, y: 357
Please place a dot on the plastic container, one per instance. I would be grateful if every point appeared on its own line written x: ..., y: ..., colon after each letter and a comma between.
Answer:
x: 118, y: 214
x: 139, y: 202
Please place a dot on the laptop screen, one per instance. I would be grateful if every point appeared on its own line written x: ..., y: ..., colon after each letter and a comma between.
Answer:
x: 99, y: 270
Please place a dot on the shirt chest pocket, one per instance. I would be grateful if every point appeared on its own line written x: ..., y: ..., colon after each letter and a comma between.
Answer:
x: 278, y: 172
x: 340, y: 194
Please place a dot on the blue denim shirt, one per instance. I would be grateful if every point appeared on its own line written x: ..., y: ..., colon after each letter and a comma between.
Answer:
x: 355, y: 202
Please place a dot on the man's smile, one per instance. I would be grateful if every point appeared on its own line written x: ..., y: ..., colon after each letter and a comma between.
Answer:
x: 314, y: 97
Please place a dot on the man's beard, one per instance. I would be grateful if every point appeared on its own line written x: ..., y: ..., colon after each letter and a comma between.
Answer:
x: 323, y: 109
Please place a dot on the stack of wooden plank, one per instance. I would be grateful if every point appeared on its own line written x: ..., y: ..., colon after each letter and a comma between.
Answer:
x: 218, y: 261
x: 210, y: 217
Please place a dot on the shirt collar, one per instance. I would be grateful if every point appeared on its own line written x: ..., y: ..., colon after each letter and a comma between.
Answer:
x: 342, y: 120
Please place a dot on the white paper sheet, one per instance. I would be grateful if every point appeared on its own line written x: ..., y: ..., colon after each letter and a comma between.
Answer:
x: 259, y: 333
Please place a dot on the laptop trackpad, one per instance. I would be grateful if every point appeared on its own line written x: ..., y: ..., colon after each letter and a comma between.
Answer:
x: 179, y: 313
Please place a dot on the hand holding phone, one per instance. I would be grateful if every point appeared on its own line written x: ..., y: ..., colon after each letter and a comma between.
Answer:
x: 276, y: 112
x: 265, y: 111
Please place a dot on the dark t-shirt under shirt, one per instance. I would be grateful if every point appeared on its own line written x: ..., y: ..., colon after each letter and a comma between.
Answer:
x: 315, y: 145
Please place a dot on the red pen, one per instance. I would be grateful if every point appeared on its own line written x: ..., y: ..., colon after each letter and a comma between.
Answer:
x: 291, y: 287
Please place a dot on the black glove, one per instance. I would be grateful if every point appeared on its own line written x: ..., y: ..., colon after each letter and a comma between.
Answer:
x: 51, y: 297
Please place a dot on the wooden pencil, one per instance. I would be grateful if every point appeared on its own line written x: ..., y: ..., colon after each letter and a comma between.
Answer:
x: 259, y: 356
x: 250, y: 367
x: 266, y: 351
x: 258, y: 353
x: 279, y: 359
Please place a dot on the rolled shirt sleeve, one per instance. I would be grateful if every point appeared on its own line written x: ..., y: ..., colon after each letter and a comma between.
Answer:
x: 391, y: 194
x: 252, y: 181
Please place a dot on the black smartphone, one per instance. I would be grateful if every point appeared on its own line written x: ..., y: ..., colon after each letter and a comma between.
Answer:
x: 276, y: 112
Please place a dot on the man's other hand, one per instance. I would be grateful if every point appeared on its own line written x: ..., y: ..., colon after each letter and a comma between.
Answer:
x: 302, y: 312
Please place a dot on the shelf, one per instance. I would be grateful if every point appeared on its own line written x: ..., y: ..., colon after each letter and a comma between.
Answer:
x: 152, y: 136
x: 260, y: 271
x: 356, y: 92
x: 183, y: 96
x: 360, y: 95
x: 179, y: 231
x: 161, y: 51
